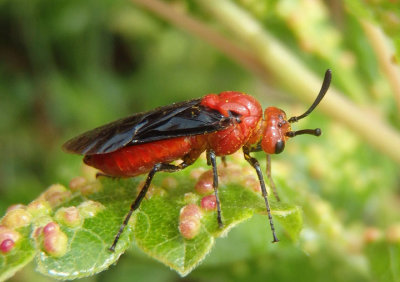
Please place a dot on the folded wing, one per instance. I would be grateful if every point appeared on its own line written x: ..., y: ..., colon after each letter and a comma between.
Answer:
x: 180, y: 119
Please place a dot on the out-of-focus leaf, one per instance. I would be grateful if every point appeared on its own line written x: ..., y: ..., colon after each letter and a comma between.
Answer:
x: 384, y: 260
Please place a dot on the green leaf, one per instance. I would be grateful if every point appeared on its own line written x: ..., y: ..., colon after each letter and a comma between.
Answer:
x: 290, y: 219
x: 102, y: 205
x: 384, y: 259
x: 22, y: 254
x: 88, y: 244
x: 157, y: 232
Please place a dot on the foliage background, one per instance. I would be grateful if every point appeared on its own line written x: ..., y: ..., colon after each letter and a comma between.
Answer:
x: 68, y: 66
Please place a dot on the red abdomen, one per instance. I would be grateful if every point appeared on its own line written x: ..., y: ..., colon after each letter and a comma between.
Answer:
x: 137, y: 159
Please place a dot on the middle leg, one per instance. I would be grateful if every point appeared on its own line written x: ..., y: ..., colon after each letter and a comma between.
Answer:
x: 211, y: 157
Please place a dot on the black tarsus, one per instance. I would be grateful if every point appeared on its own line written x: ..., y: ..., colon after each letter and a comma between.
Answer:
x: 322, y: 92
x: 211, y: 157
x: 136, y: 203
x: 255, y: 164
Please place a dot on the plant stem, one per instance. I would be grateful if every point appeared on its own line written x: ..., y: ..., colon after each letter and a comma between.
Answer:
x: 196, y: 27
x: 283, y: 66
x: 296, y: 77
x: 385, y: 55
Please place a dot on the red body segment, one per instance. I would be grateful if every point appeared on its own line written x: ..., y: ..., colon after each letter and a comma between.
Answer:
x: 275, y: 129
x: 228, y: 141
x: 138, y: 159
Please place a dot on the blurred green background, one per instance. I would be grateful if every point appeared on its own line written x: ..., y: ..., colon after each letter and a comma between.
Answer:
x: 68, y: 66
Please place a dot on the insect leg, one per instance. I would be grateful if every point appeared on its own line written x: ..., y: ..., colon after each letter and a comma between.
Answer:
x: 271, y: 181
x: 100, y: 174
x: 213, y: 159
x: 254, y: 163
x: 223, y: 159
x: 208, y: 159
x: 258, y: 148
x: 135, y: 205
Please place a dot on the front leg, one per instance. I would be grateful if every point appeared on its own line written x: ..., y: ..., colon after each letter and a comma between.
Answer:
x: 254, y: 163
x: 271, y: 181
x: 257, y: 148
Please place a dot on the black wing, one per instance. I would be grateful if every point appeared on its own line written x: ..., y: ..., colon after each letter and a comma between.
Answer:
x: 180, y: 119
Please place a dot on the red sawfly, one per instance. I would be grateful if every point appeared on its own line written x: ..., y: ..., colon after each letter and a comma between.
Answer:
x: 149, y: 142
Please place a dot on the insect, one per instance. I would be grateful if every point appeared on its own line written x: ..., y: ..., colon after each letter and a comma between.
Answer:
x: 149, y: 142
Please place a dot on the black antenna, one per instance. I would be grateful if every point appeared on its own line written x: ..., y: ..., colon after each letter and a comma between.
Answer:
x: 322, y: 92
x: 315, y: 132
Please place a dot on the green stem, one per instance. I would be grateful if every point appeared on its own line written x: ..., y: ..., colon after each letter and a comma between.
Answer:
x: 274, y: 58
x: 384, y: 52
x: 299, y: 79
x: 199, y: 29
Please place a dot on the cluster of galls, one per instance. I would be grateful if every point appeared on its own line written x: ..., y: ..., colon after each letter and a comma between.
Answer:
x: 192, y: 213
x: 46, y: 231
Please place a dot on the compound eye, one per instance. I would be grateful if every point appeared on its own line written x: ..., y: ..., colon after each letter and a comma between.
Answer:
x: 279, y: 146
